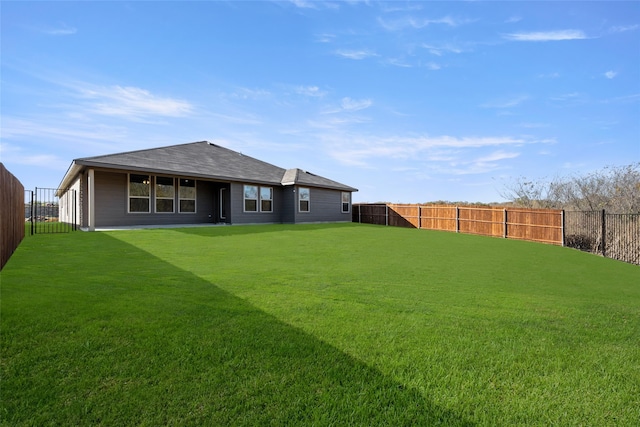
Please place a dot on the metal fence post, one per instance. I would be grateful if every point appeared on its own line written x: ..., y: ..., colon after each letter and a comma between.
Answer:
x: 604, y: 233
x: 386, y: 214
x: 505, y: 223
x: 33, y: 212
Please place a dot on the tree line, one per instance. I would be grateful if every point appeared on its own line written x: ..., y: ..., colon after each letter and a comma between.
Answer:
x: 613, y: 188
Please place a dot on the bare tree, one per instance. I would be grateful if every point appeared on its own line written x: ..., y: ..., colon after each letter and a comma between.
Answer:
x: 614, y: 188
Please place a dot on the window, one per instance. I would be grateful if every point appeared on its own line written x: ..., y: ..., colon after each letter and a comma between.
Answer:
x: 304, y: 198
x: 165, y: 194
x: 251, y: 198
x: 187, y: 196
x: 346, y: 202
x: 266, y: 199
x: 139, y: 193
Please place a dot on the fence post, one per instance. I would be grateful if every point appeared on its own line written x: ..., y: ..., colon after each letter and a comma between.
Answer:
x: 457, y: 219
x: 359, y: 214
x: 604, y: 233
x: 419, y: 217
x: 34, y: 199
x: 505, y: 223
x: 562, y: 225
x: 386, y: 214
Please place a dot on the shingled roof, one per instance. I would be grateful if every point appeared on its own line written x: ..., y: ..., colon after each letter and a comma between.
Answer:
x: 202, y: 160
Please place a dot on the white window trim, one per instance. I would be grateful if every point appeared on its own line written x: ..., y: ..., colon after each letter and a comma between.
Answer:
x: 244, y: 198
x: 261, y: 199
x: 129, y: 196
x: 342, y: 202
x: 300, y: 200
x: 195, y: 199
x: 156, y: 198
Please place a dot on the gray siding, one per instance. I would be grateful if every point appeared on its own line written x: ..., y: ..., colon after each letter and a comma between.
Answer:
x: 288, y: 205
x: 238, y: 216
x: 112, y: 200
x: 325, y: 206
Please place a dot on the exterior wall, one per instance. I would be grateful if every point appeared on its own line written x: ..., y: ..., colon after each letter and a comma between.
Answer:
x: 111, y: 202
x: 69, y: 211
x: 239, y: 216
x: 288, y: 205
x: 325, y: 206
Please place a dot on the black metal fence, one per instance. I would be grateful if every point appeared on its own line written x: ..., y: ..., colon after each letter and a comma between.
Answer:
x: 614, y: 236
x: 42, y: 209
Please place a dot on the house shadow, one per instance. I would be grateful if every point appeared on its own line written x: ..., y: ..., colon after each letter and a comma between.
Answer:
x: 187, y: 351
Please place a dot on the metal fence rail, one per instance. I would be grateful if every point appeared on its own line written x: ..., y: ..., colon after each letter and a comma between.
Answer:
x: 614, y: 236
x: 44, y: 214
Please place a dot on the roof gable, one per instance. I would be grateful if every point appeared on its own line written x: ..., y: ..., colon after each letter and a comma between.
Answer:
x: 205, y: 160
x: 199, y: 159
x: 301, y: 177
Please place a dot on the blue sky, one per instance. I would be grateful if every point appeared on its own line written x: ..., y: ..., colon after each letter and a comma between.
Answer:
x: 407, y: 101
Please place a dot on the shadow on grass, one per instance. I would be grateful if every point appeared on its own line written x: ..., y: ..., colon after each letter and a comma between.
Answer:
x: 133, y: 340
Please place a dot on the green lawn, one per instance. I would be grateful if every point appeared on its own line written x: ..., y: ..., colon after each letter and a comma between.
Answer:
x: 343, y: 324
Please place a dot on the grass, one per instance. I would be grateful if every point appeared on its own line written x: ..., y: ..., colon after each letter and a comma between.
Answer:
x: 343, y: 324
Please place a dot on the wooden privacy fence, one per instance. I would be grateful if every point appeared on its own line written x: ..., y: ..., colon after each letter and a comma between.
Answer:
x: 11, y: 214
x: 537, y: 225
x: 614, y: 236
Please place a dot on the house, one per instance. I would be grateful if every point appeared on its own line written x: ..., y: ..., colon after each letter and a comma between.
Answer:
x: 195, y: 183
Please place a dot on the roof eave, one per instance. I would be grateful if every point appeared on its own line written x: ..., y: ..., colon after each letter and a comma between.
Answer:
x: 160, y: 171
x: 74, y: 169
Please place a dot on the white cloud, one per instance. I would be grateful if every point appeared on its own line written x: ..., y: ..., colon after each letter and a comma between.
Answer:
x: 62, y: 30
x: 43, y: 128
x: 361, y: 149
x: 433, y: 66
x: 397, y: 62
x: 624, y: 28
x: 544, y: 36
x: 325, y: 38
x: 496, y: 156
x: 572, y: 98
x: 28, y: 157
x: 304, y: 4
x: 506, y: 103
x: 610, y: 74
x: 355, y: 54
x: 313, y: 91
x: 441, y: 49
x: 313, y: 4
x: 418, y: 23
x: 131, y: 102
x: 513, y: 19
x: 349, y: 104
